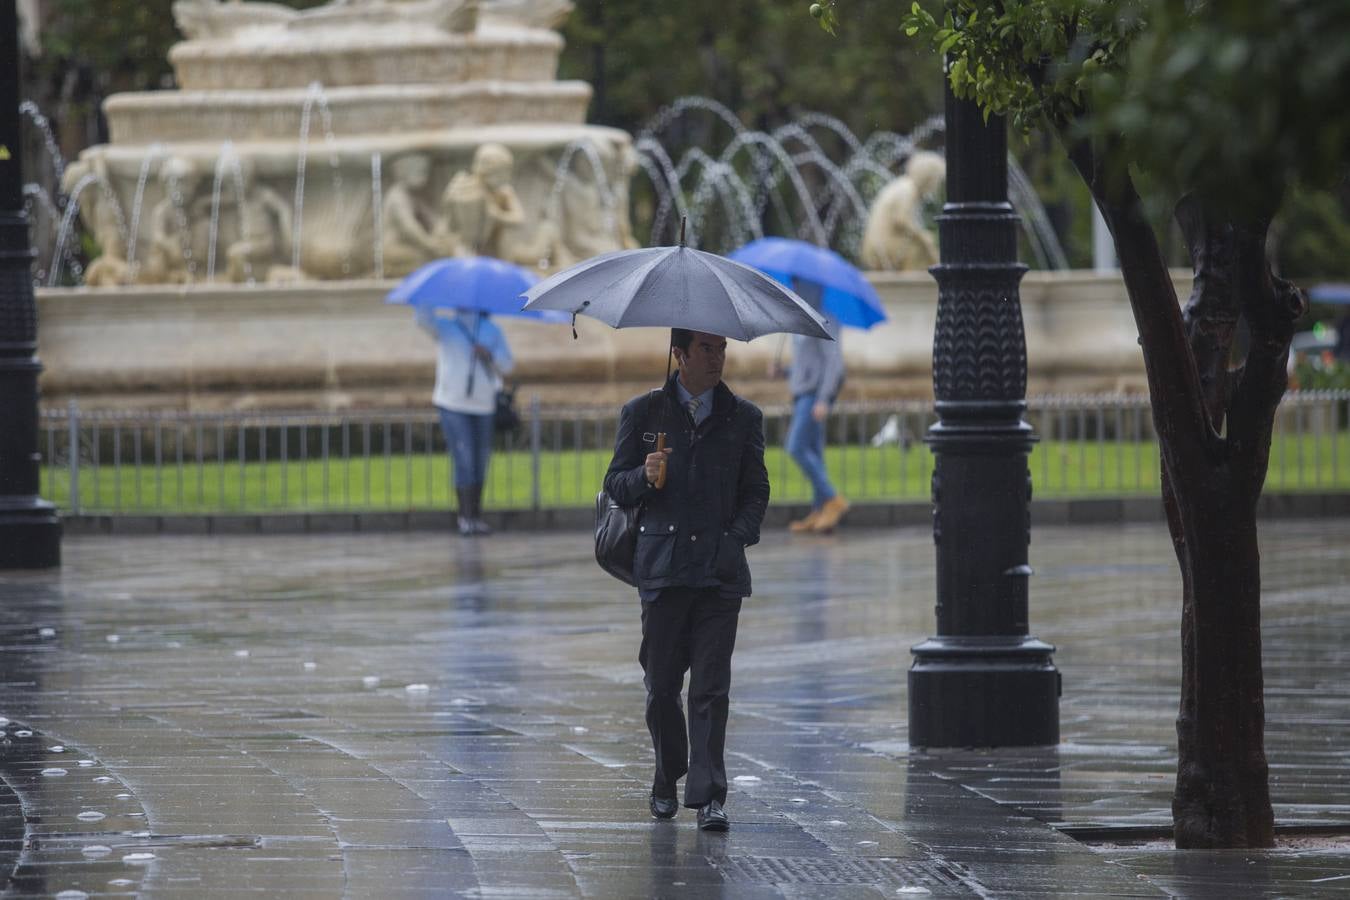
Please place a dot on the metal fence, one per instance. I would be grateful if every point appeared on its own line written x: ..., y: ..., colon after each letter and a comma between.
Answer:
x: 168, y: 462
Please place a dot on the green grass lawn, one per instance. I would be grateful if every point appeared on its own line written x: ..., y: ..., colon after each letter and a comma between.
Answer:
x: 571, y: 479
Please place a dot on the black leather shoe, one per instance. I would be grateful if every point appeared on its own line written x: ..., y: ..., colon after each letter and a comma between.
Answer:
x: 663, y: 807
x: 713, y: 818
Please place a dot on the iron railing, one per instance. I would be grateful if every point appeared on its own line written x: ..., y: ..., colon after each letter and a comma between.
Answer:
x: 174, y: 462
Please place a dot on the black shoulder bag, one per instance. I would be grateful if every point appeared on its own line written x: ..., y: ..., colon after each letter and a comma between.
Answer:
x: 616, y: 527
x: 505, y: 419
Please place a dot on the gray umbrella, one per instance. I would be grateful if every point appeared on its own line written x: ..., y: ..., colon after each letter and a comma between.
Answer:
x: 677, y: 287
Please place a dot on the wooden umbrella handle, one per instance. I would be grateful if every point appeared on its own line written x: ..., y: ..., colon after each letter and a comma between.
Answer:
x: 661, y: 445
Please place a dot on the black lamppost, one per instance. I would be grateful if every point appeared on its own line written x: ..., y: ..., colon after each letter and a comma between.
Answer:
x: 982, y: 681
x: 30, y: 532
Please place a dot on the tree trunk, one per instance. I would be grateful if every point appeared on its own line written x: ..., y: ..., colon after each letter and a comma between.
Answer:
x: 1214, y: 429
x: 1222, y: 797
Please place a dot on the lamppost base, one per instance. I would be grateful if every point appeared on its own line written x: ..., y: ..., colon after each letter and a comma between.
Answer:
x: 983, y: 692
x: 30, y: 538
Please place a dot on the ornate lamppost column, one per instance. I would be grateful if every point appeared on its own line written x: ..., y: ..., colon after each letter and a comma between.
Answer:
x: 982, y: 681
x: 30, y: 532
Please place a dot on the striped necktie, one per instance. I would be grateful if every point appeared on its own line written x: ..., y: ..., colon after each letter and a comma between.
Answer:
x: 692, y: 404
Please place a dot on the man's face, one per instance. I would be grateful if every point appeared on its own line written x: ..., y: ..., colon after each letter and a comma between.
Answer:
x: 701, y: 365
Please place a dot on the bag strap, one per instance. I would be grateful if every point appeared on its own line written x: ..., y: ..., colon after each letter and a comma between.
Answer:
x: 647, y: 413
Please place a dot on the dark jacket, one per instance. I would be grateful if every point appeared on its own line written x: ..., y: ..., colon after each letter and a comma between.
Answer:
x: 694, y: 531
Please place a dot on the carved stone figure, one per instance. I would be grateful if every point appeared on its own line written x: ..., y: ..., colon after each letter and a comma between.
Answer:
x: 483, y: 215
x: 593, y: 219
x: 100, y: 214
x: 477, y: 204
x: 410, y: 235
x: 264, y: 242
x: 169, y: 258
x: 895, y: 238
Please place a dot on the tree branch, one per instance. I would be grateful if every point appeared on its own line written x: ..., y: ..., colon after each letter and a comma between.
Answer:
x: 1211, y: 315
x: 1272, y: 306
x: 1174, y: 383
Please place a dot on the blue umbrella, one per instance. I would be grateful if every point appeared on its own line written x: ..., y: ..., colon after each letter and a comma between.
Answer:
x: 846, y: 294
x: 475, y: 283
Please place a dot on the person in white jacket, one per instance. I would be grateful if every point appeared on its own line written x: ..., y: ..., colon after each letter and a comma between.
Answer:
x: 472, y: 356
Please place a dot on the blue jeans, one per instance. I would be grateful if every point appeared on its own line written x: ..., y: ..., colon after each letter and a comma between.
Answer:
x: 806, y: 446
x: 469, y: 437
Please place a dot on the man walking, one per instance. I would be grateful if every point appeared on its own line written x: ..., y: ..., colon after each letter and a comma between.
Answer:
x: 690, y: 563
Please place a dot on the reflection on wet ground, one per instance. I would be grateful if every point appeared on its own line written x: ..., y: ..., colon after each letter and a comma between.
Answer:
x: 428, y: 716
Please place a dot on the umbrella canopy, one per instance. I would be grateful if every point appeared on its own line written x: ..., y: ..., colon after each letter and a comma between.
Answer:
x: 677, y: 287
x: 845, y: 293
x: 476, y: 283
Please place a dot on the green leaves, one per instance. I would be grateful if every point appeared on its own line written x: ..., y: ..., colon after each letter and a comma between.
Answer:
x: 1237, y: 100
x: 1234, y: 99
x: 1027, y: 59
x: 824, y: 13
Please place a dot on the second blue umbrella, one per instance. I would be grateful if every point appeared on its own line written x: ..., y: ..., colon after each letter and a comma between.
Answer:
x: 845, y: 293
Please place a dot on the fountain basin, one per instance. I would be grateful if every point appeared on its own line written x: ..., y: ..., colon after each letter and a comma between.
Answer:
x: 332, y: 346
x: 350, y: 57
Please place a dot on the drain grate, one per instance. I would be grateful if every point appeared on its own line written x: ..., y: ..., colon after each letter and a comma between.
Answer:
x: 931, y: 874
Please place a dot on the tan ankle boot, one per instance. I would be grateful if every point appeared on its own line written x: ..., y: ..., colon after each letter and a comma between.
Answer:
x: 830, y: 514
x: 804, y: 524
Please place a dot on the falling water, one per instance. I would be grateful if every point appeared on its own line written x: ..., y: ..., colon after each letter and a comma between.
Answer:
x: 583, y: 147
x: 719, y: 178
x: 67, y: 222
x: 61, y: 253
x: 841, y: 186
x: 30, y: 109
x: 654, y: 160
x: 316, y: 97
x: 138, y: 201
x: 298, y: 220
x: 180, y: 215
x: 1044, y: 242
x: 811, y: 120
x: 377, y: 212
x: 788, y: 176
x: 765, y: 143
x: 31, y: 192
x: 226, y: 157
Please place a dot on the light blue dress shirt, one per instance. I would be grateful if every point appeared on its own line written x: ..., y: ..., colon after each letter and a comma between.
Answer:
x: 704, y: 405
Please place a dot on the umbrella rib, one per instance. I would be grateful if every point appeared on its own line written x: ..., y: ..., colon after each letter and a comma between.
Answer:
x: 648, y: 270
x: 732, y: 290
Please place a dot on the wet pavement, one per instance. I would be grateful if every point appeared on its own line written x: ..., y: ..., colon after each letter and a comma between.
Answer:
x: 417, y: 715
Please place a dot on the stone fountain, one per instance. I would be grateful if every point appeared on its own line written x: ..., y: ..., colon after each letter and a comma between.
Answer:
x: 251, y: 222
x: 356, y: 139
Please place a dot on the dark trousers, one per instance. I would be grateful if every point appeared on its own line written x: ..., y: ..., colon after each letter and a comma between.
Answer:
x: 689, y: 630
